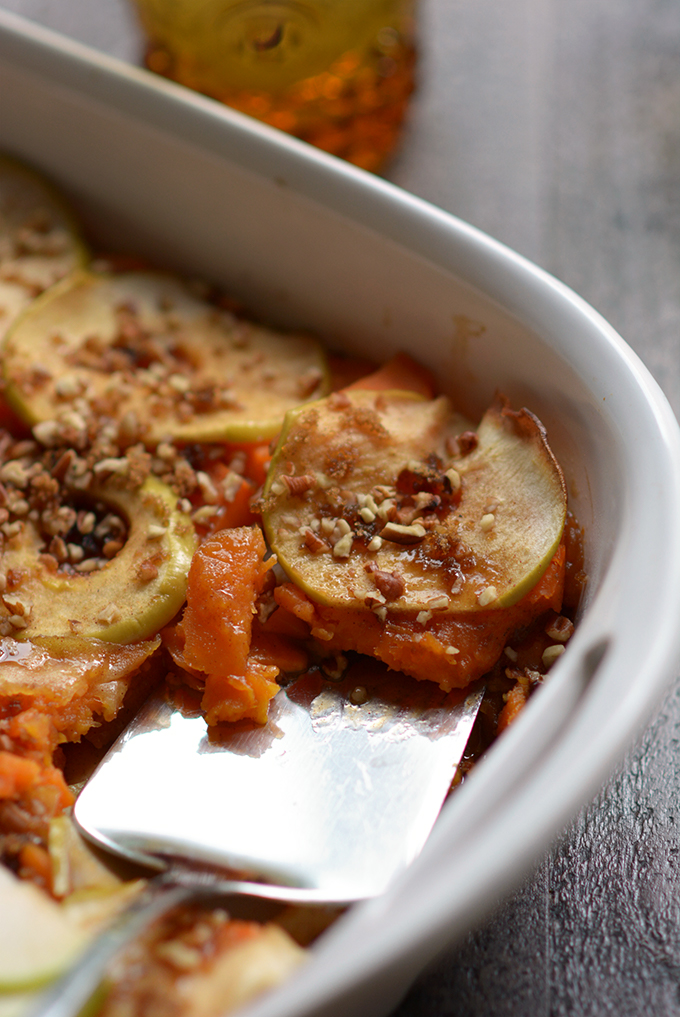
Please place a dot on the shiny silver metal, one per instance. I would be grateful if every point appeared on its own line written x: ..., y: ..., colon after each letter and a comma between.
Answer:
x: 328, y: 801
x: 325, y: 804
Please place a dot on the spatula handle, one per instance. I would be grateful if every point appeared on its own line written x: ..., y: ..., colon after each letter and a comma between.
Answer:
x: 70, y: 994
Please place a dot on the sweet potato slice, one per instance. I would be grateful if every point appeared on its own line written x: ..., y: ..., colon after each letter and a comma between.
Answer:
x: 228, y: 698
x: 401, y: 373
x: 452, y: 650
x: 227, y: 574
x: 70, y: 680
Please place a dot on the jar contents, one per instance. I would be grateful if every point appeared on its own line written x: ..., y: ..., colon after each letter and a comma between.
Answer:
x: 335, y: 73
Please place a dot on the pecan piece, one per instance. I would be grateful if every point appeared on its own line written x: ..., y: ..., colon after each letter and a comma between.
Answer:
x: 399, y: 534
x: 390, y: 584
x: 299, y: 485
x: 315, y: 543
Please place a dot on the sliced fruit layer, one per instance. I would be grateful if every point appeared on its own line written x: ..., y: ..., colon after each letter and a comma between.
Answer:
x: 384, y: 501
x: 127, y: 599
x: 37, y: 939
x: 140, y: 346
x: 39, y: 242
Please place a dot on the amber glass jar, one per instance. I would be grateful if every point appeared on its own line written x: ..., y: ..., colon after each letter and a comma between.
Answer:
x: 336, y: 73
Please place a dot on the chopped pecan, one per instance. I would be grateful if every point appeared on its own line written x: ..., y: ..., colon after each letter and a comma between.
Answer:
x: 390, y: 584
x: 403, y: 534
x: 560, y: 629
x: 467, y: 442
x: 299, y: 485
x: 315, y: 543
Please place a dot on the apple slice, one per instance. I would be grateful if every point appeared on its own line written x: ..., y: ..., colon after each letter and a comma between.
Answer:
x: 514, y: 504
x: 372, y: 501
x: 37, y: 939
x: 126, y: 600
x: 39, y: 240
x: 18, y: 1004
x: 141, y: 345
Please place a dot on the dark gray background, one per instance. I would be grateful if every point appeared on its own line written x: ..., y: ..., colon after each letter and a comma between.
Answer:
x: 555, y: 126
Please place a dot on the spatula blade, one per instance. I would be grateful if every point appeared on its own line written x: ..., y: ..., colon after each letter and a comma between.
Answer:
x: 332, y: 794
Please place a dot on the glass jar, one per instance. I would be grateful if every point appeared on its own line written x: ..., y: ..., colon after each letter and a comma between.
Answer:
x: 336, y: 73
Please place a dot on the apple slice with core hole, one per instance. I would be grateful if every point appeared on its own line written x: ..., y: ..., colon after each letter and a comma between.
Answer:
x: 131, y: 596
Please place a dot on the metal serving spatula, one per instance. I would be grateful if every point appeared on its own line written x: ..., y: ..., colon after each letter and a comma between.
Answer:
x: 325, y: 804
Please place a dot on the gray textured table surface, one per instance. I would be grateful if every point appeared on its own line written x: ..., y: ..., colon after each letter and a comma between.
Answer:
x: 554, y: 126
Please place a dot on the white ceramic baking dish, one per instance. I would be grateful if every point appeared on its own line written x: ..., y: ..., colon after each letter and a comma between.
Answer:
x: 310, y: 241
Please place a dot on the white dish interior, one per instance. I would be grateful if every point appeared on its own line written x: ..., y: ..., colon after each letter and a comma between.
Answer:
x: 311, y: 242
